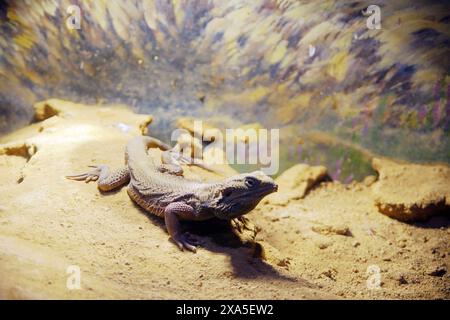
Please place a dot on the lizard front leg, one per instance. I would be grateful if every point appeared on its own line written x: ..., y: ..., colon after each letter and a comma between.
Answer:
x: 106, y: 181
x: 171, y: 216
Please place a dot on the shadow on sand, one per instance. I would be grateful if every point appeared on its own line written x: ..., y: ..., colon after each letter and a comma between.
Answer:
x: 217, y: 236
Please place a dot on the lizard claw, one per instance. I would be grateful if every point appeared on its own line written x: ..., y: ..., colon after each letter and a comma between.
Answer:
x: 171, y: 169
x: 92, y: 175
x: 192, y: 239
x: 183, y: 242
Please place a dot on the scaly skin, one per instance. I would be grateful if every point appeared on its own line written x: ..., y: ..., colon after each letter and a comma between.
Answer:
x: 161, y: 189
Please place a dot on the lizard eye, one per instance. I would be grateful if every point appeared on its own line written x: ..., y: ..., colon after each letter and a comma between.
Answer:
x: 250, y: 182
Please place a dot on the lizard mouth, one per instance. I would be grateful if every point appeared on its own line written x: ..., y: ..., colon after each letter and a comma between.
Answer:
x: 268, y: 189
x: 259, y: 193
x: 240, y: 204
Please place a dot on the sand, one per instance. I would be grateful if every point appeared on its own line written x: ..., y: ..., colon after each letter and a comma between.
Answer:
x: 327, y: 240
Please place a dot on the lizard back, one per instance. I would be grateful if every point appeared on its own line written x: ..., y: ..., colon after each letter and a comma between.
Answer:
x: 152, y: 189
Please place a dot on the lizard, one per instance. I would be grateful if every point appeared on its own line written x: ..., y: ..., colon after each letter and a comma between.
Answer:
x: 162, y: 190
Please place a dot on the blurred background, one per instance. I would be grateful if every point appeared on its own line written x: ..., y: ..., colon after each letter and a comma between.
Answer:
x: 339, y: 90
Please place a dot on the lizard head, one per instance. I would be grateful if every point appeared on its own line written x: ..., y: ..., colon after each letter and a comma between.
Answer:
x: 240, y: 194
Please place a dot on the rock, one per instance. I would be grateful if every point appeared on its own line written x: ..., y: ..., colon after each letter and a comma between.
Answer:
x: 196, y: 127
x: 103, y: 115
x: 143, y: 126
x: 295, y: 182
x: 18, y: 148
x: 369, y: 180
x: 268, y: 253
x: 356, y: 244
x: 438, y: 271
x: 330, y: 273
x: 332, y: 230
x: 401, y: 278
x: 44, y: 110
x: 411, y: 192
x: 323, y: 244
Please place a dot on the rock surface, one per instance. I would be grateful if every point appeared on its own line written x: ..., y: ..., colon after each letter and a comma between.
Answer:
x: 295, y: 182
x: 411, y: 192
x: 50, y: 226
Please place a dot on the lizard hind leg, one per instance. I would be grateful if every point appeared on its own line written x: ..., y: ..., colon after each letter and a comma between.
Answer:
x: 170, y: 163
x: 174, y: 159
x: 171, y: 168
x: 106, y: 181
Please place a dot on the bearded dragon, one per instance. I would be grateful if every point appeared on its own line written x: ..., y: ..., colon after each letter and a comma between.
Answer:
x: 162, y: 190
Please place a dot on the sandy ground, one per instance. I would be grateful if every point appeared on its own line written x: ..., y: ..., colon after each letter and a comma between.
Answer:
x: 325, y: 240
